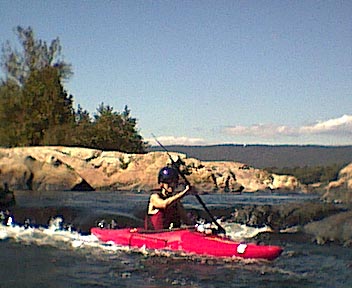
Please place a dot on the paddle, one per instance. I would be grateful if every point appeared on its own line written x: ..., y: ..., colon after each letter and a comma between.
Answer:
x: 220, y: 228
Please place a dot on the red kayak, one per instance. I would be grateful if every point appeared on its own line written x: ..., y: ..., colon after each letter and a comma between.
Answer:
x: 188, y: 241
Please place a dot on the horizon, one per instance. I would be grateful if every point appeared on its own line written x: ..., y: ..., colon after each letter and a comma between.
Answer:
x: 248, y: 145
x: 205, y: 73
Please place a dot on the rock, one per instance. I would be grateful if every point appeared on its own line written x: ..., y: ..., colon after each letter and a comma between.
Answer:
x: 51, y: 176
x: 282, y: 217
x: 340, y: 191
x: 7, y: 197
x: 36, y: 169
x: 69, y: 168
x: 284, y: 182
x: 15, y: 172
x: 336, y: 228
x: 81, y: 219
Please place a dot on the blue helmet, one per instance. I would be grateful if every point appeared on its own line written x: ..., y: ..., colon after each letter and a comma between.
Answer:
x: 168, y: 175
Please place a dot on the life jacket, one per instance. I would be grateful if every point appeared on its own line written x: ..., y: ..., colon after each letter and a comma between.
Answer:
x: 164, y: 217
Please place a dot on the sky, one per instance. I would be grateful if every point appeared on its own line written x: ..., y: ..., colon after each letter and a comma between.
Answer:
x: 205, y: 72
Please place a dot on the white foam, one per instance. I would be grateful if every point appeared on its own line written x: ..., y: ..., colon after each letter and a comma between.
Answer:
x: 53, y: 235
x: 235, y: 231
x: 238, y: 232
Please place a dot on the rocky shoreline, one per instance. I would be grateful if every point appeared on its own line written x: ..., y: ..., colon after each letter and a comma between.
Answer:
x: 71, y: 168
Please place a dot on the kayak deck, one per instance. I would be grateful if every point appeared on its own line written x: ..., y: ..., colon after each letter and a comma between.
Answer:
x: 188, y: 241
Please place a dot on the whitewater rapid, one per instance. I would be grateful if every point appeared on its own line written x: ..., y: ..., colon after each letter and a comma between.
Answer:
x: 58, y: 234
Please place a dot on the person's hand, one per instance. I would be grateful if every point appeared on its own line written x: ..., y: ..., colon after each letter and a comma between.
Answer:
x: 187, y: 188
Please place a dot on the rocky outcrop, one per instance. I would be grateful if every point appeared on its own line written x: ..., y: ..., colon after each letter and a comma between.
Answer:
x: 73, y: 168
x: 36, y: 169
x: 340, y: 191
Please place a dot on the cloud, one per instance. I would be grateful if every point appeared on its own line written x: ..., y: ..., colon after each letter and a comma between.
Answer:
x: 172, y: 140
x: 336, y: 130
x: 338, y: 126
x: 333, y: 127
x: 261, y: 130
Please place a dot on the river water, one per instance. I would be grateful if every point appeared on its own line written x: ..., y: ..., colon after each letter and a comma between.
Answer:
x: 46, y: 256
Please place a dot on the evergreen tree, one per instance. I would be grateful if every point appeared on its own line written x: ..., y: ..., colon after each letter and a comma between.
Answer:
x: 83, y: 129
x: 11, y: 114
x: 47, y: 107
x: 133, y: 140
x: 115, y: 131
x: 35, y: 55
x: 35, y: 109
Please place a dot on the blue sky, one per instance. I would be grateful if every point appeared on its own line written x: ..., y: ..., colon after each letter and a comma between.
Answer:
x: 206, y: 72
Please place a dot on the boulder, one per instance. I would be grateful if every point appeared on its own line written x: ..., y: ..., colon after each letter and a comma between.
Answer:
x: 336, y: 228
x: 36, y: 169
x: 284, y: 182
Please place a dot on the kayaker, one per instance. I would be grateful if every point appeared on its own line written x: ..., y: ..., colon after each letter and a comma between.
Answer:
x: 165, y: 211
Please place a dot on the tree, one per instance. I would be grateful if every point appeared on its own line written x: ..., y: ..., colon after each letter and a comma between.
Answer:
x: 34, y: 107
x: 35, y: 55
x: 83, y: 131
x: 47, y: 107
x: 107, y: 128
x: 115, y: 131
x: 11, y: 115
x: 133, y: 139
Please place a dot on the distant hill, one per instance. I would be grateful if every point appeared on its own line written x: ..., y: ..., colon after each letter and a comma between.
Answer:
x: 264, y: 156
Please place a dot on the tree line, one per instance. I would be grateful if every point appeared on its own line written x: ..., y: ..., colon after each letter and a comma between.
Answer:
x: 36, y: 110
x: 310, y: 175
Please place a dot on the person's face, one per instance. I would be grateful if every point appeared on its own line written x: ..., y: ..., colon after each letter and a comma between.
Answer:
x: 169, y: 187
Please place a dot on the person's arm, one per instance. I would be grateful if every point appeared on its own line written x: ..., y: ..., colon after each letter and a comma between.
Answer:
x: 159, y: 203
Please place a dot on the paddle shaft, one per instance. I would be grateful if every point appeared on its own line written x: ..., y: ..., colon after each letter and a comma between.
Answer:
x: 187, y: 183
